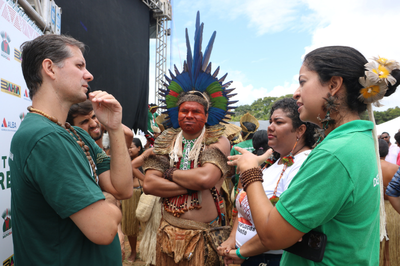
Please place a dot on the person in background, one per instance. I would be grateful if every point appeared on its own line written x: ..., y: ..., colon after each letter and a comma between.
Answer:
x: 393, y: 149
x: 82, y: 115
x: 249, y: 125
x: 260, y: 143
x: 397, y: 138
x: 389, y: 253
x: 130, y: 224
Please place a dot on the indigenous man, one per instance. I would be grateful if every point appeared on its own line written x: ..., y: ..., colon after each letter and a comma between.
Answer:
x: 189, y: 165
x: 60, y: 214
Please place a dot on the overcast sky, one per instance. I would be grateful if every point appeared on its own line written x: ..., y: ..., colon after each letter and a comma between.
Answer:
x: 261, y: 43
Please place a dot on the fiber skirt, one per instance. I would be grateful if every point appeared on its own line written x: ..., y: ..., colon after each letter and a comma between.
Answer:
x: 130, y: 225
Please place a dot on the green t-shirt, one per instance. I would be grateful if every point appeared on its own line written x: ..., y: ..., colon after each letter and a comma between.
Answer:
x: 51, y: 179
x: 248, y: 145
x: 336, y: 191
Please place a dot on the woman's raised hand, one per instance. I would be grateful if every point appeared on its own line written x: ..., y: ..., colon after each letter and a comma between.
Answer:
x: 247, y: 160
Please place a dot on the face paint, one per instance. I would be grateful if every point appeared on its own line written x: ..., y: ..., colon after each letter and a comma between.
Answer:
x: 191, y: 117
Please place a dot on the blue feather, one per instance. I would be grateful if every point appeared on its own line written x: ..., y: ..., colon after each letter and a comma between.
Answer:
x: 176, y: 70
x: 207, y: 53
x: 205, y: 81
x: 215, y: 116
x: 223, y: 78
x: 197, y: 55
x: 172, y: 75
x: 189, y: 58
x: 184, y: 81
x: 208, y: 69
x: 216, y: 72
x: 173, y: 114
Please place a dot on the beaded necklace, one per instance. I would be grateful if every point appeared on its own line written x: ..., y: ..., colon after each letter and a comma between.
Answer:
x: 187, y: 147
x: 287, y: 161
x: 74, y: 135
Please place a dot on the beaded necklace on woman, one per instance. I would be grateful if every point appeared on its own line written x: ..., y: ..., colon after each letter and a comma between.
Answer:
x: 74, y: 135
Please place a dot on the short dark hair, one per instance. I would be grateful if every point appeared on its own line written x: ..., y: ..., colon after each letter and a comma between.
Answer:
x: 50, y: 46
x: 83, y: 108
x: 289, y: 106
x: 385, y: 133
x: 383, y: 148
x: 260, y: 142
x: 138, y: 144
x: 397, y: 137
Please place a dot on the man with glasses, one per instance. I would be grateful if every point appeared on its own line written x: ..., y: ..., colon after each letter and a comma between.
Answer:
x: 393, y: 149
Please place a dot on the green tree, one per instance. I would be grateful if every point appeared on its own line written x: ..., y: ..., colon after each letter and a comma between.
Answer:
x: 261, y: 107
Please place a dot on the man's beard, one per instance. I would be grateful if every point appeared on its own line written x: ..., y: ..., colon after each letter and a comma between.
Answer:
x: 96, y: 138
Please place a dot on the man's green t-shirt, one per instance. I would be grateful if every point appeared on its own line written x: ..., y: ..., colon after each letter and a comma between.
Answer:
x: 336, y: 191
x: 51, y: 179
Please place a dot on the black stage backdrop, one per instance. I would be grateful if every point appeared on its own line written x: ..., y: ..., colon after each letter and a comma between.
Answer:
x: 117, y: 37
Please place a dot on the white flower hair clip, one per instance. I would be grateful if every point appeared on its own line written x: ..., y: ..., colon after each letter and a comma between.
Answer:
x: 376, y: 80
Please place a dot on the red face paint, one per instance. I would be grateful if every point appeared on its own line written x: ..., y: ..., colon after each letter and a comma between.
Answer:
x: 191, y: 117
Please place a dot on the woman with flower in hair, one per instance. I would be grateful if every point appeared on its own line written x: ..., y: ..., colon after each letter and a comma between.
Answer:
x: 290, y: 138
x: 337, y: 189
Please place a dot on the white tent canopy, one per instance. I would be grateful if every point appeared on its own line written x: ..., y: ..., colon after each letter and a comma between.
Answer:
x: 391, y: 126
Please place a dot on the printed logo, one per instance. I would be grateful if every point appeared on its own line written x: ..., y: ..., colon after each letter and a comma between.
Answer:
x: 10, y: 88
x: 17, y: 55
x: 8, y: 126
x: 26, y: 95
x: 22, y: 116
x: 376, y: 181
x: 7, y: 223
x: 9, y: 261
x: 5, y: 45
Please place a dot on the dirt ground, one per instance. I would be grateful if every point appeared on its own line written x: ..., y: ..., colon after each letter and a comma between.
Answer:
x: 138, y: 261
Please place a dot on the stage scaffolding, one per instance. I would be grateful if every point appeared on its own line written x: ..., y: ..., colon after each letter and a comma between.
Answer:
x: 162, y: 12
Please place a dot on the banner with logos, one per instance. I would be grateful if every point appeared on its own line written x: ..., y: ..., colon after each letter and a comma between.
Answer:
x: 15, y: 28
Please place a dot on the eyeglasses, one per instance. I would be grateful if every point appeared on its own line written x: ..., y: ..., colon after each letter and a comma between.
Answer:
x: 385, y: 137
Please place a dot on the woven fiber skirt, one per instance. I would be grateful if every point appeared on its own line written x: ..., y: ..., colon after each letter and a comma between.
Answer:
x: 130, y: 225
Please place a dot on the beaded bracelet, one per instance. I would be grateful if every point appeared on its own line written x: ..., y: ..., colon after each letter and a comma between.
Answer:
x: 251, y: 175
x: 240, y: 255
x: 168, y: 173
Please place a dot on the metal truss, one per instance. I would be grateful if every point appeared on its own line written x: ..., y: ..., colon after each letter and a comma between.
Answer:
x: 162, y: 12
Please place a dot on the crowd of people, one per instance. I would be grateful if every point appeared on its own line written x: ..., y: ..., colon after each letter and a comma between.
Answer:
x: 306, y: 191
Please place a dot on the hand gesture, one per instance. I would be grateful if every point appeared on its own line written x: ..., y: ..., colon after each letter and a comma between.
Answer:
x: 247, y: 160
x: 107, y: 109
x: 226, y: 246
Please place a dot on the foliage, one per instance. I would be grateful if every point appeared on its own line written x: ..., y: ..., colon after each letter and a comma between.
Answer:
x: 383, y: 116
x: 262, y: 106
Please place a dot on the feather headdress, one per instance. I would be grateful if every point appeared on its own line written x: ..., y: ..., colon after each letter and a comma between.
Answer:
x: 196, y: 76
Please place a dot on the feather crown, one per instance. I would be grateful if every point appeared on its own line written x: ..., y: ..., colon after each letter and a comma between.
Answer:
x: 196, y: 76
